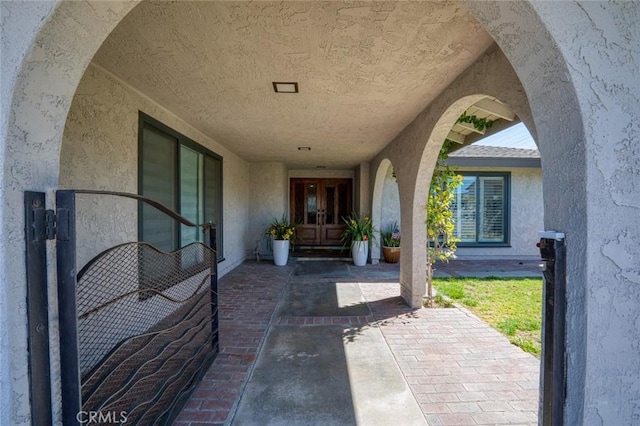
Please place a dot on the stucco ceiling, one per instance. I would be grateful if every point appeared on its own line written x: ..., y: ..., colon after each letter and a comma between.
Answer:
x: 364, y: 70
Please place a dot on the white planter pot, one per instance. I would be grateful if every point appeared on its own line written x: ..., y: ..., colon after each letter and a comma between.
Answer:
x: 360, y: 252
x: 280, y: 252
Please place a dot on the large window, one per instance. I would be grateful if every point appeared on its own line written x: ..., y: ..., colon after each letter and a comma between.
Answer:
x: 481, y: 209
x: 185, y: 177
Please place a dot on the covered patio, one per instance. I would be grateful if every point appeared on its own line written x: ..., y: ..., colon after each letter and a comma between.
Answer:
x: 148, y: 96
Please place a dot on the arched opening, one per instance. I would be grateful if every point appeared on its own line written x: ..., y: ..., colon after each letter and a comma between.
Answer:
x: 481, y: 206
x: 56, y: 50
x: 490, y: 157
x: 496, y: 219
x: 386, y: 204
x: 498, y: 211
x: 41, y: 83
x: 107, y: 84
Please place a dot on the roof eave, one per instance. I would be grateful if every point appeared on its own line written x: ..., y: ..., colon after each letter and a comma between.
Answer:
x: 494, y: 162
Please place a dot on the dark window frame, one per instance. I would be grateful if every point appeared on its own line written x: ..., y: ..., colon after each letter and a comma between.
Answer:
x: 182, y: 140
x: 506, y: 210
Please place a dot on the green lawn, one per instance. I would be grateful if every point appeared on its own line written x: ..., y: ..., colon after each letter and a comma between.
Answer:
x: 511, y: 305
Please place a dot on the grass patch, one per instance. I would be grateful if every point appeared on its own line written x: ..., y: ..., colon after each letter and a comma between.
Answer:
x: 442, y: 302
x: 513, y: 306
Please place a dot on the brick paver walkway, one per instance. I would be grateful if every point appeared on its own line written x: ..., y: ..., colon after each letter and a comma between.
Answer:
x: 459, y: 369
x: 248, y: 296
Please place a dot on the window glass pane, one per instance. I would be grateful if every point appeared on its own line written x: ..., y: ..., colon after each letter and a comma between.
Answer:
x: 158, y: 176
x: 299, y: 203
x: 464, y: 210
x: 330, y: 190
x: 187, y: 179
x: 480, y: 209
x: 491, y: 209
x: 312, y: 203
x: 191, y: 194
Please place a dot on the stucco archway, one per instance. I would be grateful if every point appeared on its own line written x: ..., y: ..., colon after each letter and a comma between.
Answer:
x: 577, y: 102
x: 413, y: 153
x: 558, y: 131
x: 376, y: 204
x: 45, y: 60
x: 381, y: 182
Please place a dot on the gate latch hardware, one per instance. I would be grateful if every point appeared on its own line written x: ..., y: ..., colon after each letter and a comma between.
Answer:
x: 51, y: 224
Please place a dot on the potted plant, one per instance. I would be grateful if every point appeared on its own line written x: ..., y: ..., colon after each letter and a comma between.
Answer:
x: 391, y: 243
x: 358, y: 232
x: 280, y: 235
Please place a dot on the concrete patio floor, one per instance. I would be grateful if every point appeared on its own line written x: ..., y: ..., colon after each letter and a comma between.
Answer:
x: 381, y: 362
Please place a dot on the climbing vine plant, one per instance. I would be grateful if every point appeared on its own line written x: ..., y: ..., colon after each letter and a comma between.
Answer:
x: 479, y: 123
x: 441, y: 242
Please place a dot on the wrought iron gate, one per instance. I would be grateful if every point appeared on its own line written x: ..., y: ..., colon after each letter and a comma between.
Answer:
x: 138, y: 326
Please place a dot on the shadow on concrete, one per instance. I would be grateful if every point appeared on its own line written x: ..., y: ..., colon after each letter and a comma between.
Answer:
x: 322, y: 299
x: 323, y: 269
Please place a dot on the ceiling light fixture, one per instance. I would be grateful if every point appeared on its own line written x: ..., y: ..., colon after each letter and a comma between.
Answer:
x: 304, y: 148
x: 285, y: 87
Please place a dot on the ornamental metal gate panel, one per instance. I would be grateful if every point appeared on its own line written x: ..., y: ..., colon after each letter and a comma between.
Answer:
x: 138, y: 326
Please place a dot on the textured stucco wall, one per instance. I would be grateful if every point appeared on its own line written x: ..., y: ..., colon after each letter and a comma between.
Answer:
x: 23, y: 20
x: 601, y: 43
x: 100, y: 151
x: 527, y: 216
x: 235, y: 197
x: 361, y: 195
x: 390, y: 201
x: 378, y: 178
x: 269, y: 190
x: 39, y: 77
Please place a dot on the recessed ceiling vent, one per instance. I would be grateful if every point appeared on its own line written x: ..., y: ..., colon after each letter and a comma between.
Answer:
x: 304, y: 148
x: 285, y: 87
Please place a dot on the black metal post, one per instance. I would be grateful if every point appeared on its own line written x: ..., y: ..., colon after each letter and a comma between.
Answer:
x: 37, y: 307
x: 547, y: 312
x: 559, y: 336
x: 211, y: 232
x: 552, y: 251
x: 66, y: 261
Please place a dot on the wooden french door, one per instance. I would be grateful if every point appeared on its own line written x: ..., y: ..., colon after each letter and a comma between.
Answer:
x: 318, y: 206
